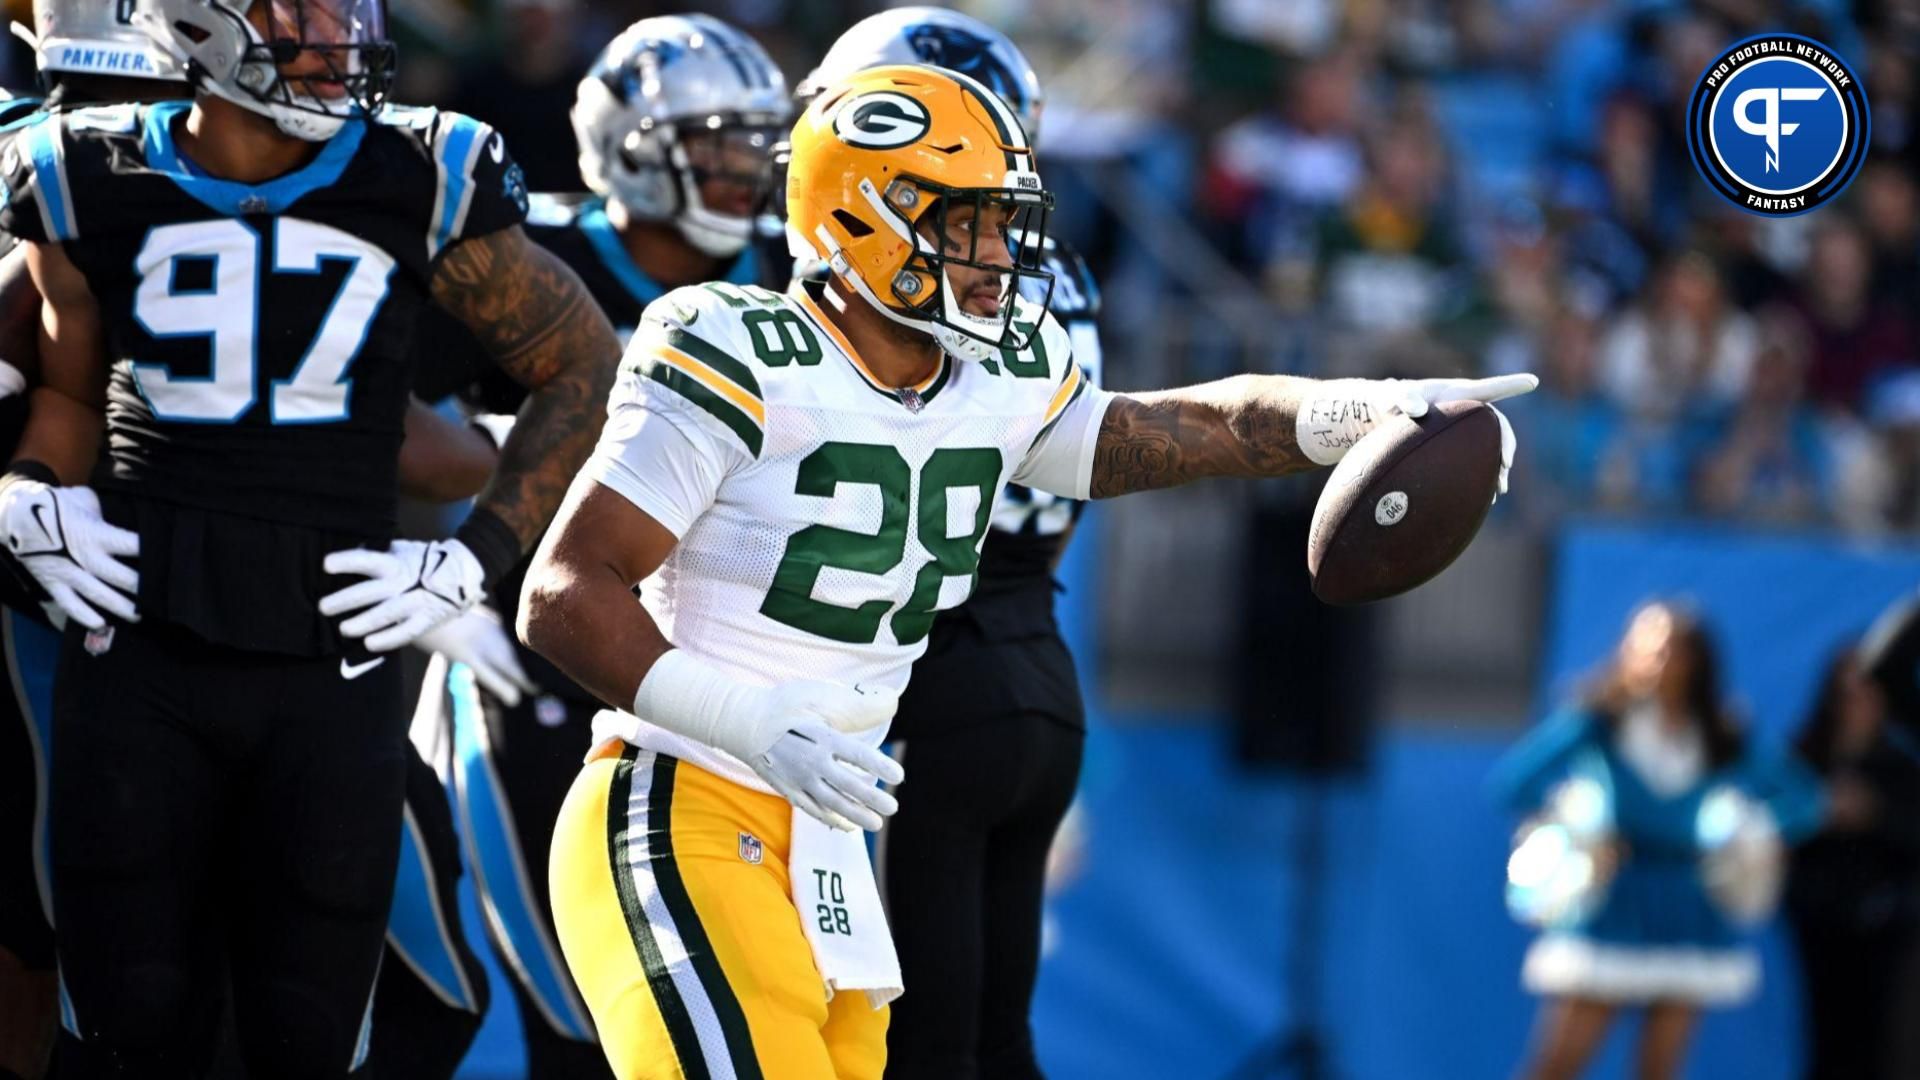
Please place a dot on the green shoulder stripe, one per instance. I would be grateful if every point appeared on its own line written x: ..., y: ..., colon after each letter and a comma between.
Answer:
x: 716, y: 358
x: 746, y: 427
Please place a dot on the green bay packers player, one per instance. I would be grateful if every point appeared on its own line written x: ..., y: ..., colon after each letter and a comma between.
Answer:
x: 962, y: 865
x: 801, y: 482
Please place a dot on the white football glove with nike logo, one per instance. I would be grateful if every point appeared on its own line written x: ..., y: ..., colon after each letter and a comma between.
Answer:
x: 793, y: 736
x: 411, y: 588
x: 57, y: 533
x: 1340, y: 412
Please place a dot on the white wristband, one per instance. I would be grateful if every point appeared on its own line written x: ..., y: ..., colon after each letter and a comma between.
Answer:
x: 1338, y: 413
x: 689, y: 697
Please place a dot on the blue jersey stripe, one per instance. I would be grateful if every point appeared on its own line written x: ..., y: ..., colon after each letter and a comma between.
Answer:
x: 50, y: 174
x: 456, y: 147
x: 499, y: 872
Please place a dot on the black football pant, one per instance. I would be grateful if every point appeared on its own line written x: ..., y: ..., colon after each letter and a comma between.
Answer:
x: 962, y: 867
x: 219, y: 812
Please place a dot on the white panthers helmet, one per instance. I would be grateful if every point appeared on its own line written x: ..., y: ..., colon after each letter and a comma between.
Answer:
x: 938, y: 37
x: 314, y: 65
x: 97, y: 37
x: 675, y: 100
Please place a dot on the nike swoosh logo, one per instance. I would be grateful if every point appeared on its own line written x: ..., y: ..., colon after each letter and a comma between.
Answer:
x: 40, y: 518
x: 498, y: 148
x: 349, y: 670
x: 437, y: 565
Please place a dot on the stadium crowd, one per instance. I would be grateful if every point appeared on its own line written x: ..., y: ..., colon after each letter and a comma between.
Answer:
x: 1475, y: 187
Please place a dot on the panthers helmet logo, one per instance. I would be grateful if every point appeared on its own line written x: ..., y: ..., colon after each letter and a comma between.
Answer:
x: 970, y: 54
x: 881, y: 120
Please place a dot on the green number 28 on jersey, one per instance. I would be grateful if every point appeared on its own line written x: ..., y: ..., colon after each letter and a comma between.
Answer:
x: 817, y: 547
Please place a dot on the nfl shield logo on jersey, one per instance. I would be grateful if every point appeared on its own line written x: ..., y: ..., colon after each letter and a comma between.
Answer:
x: 97, y: 642
x: 751, y: 850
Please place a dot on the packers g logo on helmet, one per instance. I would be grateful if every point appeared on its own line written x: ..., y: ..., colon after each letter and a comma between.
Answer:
x: 882, y: 120
x: 880, y: 161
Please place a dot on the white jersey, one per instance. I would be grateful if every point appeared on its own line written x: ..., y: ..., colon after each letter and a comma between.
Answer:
x: 823, y: 519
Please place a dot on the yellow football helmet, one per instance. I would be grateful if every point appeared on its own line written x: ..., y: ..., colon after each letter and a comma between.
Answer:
x: 879, y: 161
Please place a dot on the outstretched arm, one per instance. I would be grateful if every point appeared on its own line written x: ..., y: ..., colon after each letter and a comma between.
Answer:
x: 1243, y: 426
x: 537, y: 320
x: 1261, y: 425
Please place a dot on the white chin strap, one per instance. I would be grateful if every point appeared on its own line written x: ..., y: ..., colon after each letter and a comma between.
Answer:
x: 717, y: 235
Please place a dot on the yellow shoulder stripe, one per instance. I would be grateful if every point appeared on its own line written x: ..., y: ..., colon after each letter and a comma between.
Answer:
x: 714, y: 381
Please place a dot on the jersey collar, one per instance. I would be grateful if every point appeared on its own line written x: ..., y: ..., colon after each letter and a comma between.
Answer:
x: 605, y: 241
x: 231, y: 197
x: 924, y: 392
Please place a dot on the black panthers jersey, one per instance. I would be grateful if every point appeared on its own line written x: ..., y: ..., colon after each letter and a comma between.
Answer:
x: 576, y: 230
x: 259, y: 336
x: 1029, y: 526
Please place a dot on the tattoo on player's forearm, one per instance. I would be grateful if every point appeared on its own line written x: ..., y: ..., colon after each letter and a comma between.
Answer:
x: 541, y: 326
x: 1242, y: 426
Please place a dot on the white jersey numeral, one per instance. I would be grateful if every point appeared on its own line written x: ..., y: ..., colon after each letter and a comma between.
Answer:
x: 226, y: 311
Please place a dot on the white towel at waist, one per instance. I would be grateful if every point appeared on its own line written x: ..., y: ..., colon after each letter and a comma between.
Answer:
x: 839, y: 904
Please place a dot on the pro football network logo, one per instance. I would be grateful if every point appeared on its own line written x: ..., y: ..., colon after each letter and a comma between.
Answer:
x: 1778, y: 124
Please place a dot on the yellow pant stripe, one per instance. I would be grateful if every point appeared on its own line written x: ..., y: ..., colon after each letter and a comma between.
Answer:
x: 703, y: 1017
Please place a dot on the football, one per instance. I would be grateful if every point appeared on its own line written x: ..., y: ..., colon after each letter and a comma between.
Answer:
x: 1404, y: 503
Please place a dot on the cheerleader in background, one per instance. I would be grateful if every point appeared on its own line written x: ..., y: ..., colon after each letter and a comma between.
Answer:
x: 1672, y: 833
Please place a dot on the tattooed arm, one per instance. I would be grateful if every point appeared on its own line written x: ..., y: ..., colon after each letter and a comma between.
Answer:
x: 1243, y: 426
x: 533, y: 315
x: 1262, y: 425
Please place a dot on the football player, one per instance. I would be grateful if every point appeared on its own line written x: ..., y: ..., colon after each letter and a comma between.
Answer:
x: 802, y: 482
x: 962, y: 865
x: 675, y: 121
x: 231, y: 768
x: 87, y: 53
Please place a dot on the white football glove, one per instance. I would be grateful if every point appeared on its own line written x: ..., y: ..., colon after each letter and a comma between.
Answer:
x: 1339, y: 412
x: 476, y: 638
x: 817, y: 767
x: 57, y: 533
x: 411, y: 588
x: 793, y: 736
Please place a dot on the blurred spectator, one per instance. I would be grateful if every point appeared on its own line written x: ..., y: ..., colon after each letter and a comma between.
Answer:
x: 1768, y: 459
x: 1569, y: 424
x: 1683, y: 342
x: 1855, y: 338
x: 1272, y: 174
x: 1656, y: 738
x: 1894, y: 411
x: 1387, y: 260
x: 526, y: 89
x: 1853, y: 896
x: 1890, y: 210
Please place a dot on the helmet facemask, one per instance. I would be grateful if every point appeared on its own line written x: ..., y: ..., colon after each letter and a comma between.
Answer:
x: 314, y: 65
x: 662, y: 170
x: 676, y: 102
x: 352, y: 65
x: 922, y: 295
